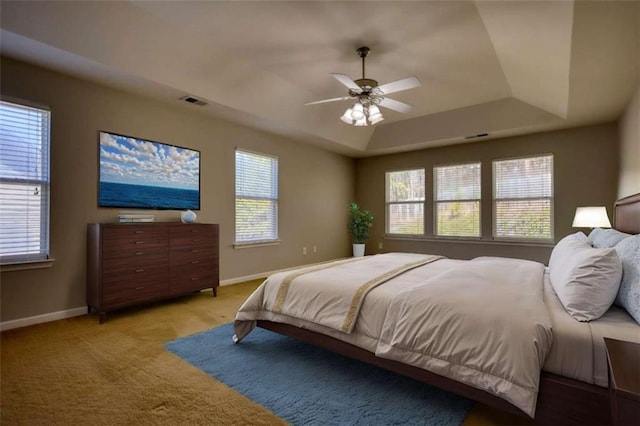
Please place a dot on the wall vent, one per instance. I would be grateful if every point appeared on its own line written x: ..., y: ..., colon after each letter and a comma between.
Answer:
x: 193, y: 100
x: 479, y: 135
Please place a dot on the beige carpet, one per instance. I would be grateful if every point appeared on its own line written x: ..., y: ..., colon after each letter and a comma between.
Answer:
x: 77, y: 371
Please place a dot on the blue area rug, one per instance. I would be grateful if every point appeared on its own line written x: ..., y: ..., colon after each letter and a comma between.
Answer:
x: 306, y: 385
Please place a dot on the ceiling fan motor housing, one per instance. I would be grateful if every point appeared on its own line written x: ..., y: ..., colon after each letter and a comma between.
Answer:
x: 366, y: 83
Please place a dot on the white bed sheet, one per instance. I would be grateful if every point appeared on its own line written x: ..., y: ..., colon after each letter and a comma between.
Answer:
x: 578, y: 350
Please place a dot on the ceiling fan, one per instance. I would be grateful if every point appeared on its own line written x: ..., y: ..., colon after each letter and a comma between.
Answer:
x: 369, y: 96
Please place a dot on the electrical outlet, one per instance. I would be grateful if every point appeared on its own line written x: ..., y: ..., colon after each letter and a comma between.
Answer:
x: 304, y: 250
x: 379, y: 246
x: 314, y: 249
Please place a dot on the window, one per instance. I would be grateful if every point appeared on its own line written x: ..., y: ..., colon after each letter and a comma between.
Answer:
x: 523, y: 198
x: 24, y: 183
x: 405, y: 202
x: 457, y: 200
x: 256, y: 198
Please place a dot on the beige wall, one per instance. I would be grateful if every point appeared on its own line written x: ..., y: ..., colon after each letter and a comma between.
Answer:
x: 315, y: 186
x: 585, y: 174
x: 630, y: 149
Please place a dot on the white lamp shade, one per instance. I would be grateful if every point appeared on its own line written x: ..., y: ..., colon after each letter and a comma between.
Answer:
x: 357, y: 112
x: 591, y: 217
x: 375, y: 118
x: 346, y: 117
x: 373, y: 110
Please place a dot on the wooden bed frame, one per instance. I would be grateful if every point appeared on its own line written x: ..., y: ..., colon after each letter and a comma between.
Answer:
x: 560, y: 400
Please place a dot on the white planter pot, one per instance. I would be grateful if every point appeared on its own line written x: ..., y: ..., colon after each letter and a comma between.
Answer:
x: 358, y: 250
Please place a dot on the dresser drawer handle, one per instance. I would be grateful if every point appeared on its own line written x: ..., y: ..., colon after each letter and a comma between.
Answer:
x: 139, y: 270
x: 139, y: 253
x: 139, y: 242
x: 195, y: 240
x: 195, y: 251
x: 195, y: 261
x: 194, y: 278
x: 139, y: 288
x: 139, y: 232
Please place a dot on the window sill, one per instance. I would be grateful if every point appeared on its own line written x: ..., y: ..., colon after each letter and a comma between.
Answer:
x: 454, y: 240
x: 258, y: 244
x: 23, y: 266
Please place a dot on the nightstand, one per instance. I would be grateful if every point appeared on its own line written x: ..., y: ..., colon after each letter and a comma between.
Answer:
x: 623, y: 359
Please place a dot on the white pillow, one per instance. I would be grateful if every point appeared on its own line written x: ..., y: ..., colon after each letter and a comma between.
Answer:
x: 586, y: 279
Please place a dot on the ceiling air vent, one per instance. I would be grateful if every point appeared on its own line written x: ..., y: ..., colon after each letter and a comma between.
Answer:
x: 193, y: 100
x: 479, y: 135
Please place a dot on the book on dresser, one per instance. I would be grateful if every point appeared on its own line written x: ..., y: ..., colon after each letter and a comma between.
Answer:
x: 134, y: 263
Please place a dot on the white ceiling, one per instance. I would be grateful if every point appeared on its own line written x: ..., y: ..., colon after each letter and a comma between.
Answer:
x: 497, y: 67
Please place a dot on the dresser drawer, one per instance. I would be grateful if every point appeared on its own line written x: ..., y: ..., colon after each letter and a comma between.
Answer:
x: 191, y: 241
x: 131, y: 276
x: 186, y: 256
x: 130, y: 245
x: 141, y: 258
x: 136, y: 292
x: 193, y: 236
x: 116, y: 232
x: 187, y: 283
x: 193, y: 230
x: 194, y: 270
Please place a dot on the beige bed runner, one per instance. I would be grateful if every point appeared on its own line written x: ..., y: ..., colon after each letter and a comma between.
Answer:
x: 331, y: 294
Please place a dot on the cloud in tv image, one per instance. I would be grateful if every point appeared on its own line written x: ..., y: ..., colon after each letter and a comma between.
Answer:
x: 136, y: 173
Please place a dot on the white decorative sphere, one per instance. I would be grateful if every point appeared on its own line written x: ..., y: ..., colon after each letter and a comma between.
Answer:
x: 188, y: 216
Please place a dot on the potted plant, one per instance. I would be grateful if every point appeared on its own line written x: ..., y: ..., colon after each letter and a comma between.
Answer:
x: 359, y: 223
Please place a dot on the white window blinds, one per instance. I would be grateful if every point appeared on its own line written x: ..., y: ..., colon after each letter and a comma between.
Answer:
x: 405, y: 202
x: 523, y: 198
x: 24, y: 183
x: 256, y: 198
x: 457, y: 200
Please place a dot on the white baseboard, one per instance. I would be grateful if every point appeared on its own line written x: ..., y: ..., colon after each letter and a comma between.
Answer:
x: 38, y: 319
x: 237, y: 280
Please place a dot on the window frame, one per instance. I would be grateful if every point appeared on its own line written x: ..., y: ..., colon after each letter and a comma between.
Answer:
x: 42, y: 258
x: 436, y: 202
x: 275, y: 227
x: 389, y: 203
x: 495, y: 201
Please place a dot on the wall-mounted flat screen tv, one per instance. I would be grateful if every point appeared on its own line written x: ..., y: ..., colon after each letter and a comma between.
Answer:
x: 141, y: 174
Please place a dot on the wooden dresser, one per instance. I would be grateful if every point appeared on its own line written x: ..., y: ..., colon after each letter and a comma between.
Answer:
x: 133, y: 263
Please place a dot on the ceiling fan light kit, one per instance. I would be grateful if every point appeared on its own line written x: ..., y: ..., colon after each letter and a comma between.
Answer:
x: 369, y: 95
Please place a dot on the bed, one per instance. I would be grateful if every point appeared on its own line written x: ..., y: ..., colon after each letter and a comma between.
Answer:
x: 544, y: 364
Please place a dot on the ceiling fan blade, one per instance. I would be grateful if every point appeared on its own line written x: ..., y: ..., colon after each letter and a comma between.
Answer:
x: 400, y: 85
x: 346, y: 80
x: 395, y: 105
x: 324, y: 101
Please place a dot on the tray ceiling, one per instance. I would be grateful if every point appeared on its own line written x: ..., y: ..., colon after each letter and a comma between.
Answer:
x: 503, y: 68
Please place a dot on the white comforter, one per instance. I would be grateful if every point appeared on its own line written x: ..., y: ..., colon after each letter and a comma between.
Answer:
x: 481, y: 322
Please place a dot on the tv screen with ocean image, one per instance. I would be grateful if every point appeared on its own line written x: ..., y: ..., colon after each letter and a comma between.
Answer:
x: 136, y: 173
